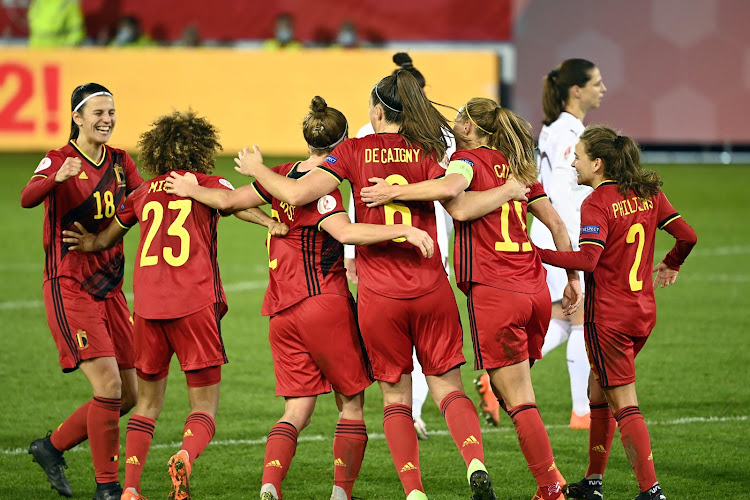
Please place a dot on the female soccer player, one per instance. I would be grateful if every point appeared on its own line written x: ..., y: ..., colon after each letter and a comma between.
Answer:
x: 444, y: 224
x: 177, y: 250
x: 313, y: 332
x: 404, y: 300
x: 570, y: 91
x: 88, y: 316
x: 618, y: 222
x: 496, y: 267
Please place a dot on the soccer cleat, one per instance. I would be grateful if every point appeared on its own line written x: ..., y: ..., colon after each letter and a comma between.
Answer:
x: 421, y: 429
x: 53, y: 463
x: 481, y: 486
x: 580, y: 422
x: 108, y: 491
x: 267, y: 495
x: 585, y: 489
x: 131, y: 494
x: 416, y: 495
x: 338, y: 493
x: 488, y: 405
x: 179, y: 470
x: 559, y: 486
x: 653, y: 493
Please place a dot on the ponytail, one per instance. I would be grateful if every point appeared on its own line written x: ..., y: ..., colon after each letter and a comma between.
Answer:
x: 557, y: 83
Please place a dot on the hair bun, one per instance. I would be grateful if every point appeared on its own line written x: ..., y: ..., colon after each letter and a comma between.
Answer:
x: 552, y: 74
x: 318, y: 104
x: 402, y: 59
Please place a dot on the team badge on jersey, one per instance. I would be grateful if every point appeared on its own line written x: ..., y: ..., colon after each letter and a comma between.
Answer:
x: 590, y: 229
x: 83, y: 342
x: 331, y: 159
x: 326, y: 204
x: 120, y: 175
x: 43, y: 165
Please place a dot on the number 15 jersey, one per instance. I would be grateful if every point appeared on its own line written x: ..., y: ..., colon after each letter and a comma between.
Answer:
x: 176, y: 271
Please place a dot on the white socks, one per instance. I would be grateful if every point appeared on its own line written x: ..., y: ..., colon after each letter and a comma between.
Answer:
x: 557, y: 334
x: 578, y: 368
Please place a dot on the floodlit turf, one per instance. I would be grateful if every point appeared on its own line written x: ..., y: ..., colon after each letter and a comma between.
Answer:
x: 693, y: 376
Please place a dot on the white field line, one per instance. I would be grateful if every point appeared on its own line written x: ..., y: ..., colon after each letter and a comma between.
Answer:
x: 378, y: 436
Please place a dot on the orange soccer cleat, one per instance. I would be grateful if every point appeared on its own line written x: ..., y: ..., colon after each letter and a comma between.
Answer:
x: 488, y: 405
x: 179, y: 470
x: 580, y: 422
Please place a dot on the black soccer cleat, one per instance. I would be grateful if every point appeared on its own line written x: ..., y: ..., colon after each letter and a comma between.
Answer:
x: 53, y: 463
x: 481, y: 486
x: 108, y: 491
x: 653, y: 493
x: 585, y: 489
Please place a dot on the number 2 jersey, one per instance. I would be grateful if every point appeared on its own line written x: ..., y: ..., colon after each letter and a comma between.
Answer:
x: 90, y: 198
x: 393, y: 269
x: 307, y: 261
x: 176, y: 271
x: 617, y: 254
x: 494, y: 249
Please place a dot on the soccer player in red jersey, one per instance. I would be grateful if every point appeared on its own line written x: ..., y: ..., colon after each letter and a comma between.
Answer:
x: 88, y: 316
x: 496, y: 266
x: 177, y: 250
x: 404, y: 299
x: 618, y: 225
x: 312, y: 328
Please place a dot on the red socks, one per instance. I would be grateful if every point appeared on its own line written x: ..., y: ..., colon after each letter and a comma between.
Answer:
x: 103, y: 429
x: 280, y: 448
x: 73, y: 431
x: 139, y: 435
x: 463, y: 424
x: 601, y: 432
x: 402, y: 441
x: 199, y: 430
x: 637, y: 443
x: 532, y: 436
x: 349, y: 444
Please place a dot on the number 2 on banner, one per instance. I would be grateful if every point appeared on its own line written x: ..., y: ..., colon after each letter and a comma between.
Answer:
x: 394, y: 206
x: 507, y: 245
x: 17, y: 79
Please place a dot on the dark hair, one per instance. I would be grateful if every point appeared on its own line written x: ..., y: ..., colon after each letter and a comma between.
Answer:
x: 324, y: 127
x: 403, y: 60
x: 557, y: 85
x: 505, y: 131
x: 79, y: 94
x: 404, y: 103
x: 180, y: 141
x: 621, y: 157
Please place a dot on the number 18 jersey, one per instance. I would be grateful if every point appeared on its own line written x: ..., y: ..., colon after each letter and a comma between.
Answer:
x: 176, y: 271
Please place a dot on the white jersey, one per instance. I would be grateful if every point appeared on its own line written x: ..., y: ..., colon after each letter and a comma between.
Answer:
x: 557, y: 143
x: 442, y: 218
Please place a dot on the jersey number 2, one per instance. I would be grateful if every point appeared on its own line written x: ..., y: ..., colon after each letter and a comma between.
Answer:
x: 175, y: 229
x: 636, y: 230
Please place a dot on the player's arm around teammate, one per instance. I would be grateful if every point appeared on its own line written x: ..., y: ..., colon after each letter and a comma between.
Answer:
x: 87, y: 312
x: 618, y: 222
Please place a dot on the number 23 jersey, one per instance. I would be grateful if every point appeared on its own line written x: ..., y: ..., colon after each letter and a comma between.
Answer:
x: 176, y: 271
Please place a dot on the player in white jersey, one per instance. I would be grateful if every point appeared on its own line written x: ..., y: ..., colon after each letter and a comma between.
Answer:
x: 570, y: 91
x: 444, y: 228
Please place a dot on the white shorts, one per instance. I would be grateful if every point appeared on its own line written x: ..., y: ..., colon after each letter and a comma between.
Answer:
x: 557, y: 278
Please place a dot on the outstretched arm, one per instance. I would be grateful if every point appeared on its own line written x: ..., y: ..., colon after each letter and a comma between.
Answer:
x: 89, y: 242
x: 258, y: 216
x: 444, y: 188
x: 340, y: 227
x: 471, y: 205
x: 228, y: 201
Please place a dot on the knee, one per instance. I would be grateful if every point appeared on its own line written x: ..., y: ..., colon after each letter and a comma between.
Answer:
x: 108, y: 385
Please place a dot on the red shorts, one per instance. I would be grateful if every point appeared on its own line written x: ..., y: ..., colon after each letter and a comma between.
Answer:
x: 507, y: 327
x: 87, y: 327
x: 612, y: 354
x: 390, y: 327
x: 196, y: 339
x: 315, y: 345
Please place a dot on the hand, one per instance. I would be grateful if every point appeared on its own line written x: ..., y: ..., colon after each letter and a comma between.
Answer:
x: 179, y: 185
x: 351, y: 271
x: 70, y: 168
x: 665, y: 275
x: 380, y: 193
x: 421, y: 240
x: 572, y: 297
x: 82, y: 241
x: 249, y: 162
x: 518, y: 191
x: 278, y: 229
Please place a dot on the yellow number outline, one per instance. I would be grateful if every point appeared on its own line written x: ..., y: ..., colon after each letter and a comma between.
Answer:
x: 395, y: 206
x: 273, y: 264
x: 109, y: 205
x: 636, y: 230
x: 176, y: 228
x: 508, y: 245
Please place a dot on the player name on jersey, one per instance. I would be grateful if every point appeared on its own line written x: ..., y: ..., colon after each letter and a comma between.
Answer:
x: 631, y: 206
x: 391, y: 155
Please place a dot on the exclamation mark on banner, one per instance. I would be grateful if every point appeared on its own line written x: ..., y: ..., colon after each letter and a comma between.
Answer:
x: 51, y: 82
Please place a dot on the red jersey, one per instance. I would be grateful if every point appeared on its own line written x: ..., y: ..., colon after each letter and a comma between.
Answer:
x: 91, y: 198
x: 176, y: 272
x: 495, y: 250
x: 394, y: 268
x: 307, y: 261
x: 617, y: 253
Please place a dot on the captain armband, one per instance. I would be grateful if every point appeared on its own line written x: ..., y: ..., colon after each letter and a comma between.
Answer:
x: 461, y: 167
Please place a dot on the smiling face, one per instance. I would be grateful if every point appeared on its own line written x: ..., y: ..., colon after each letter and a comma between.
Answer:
x: 586, y: 167
x: 96, y: 119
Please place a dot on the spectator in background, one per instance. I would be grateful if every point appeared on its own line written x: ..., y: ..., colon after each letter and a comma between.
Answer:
x: 56, y: 23
x: 130, y: 34
x: 347, y: 37
x: 283, y: 34
x: 190, y: 37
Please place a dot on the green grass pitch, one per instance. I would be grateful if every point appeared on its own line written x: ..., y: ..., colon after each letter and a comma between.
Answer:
x: 693, y: 377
